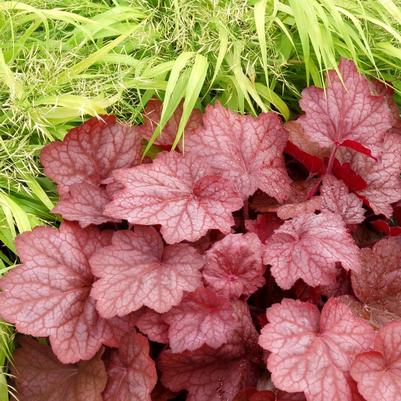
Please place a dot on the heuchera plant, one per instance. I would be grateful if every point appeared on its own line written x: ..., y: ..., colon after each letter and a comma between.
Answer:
x: 260, y: 261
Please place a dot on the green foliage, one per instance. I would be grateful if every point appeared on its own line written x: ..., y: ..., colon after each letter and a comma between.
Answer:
x: 64, y: 60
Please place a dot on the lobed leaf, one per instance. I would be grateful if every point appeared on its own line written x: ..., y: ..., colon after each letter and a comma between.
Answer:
x: 313, y: 352
x: 377, y: 372
x: 345, y: 113
x: 234, y: 265
x: 49, y: 293
x: 202, y: 318
x: 131, y: 371
x: 137, y: 270
x: 244, y: 149
x: 308, y: 247
x: 378, y: 284
x: 40, y: 376
x: 82, y: 162
x: 337, y: 199
x: 182, y: 194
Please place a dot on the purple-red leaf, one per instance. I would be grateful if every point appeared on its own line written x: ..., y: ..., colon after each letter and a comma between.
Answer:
x: 378, y: 285
x: 214, y: 375
x: 244, y: 149
x: 308, y: 247
x: 87, y: 156
x: 48, y: 294
x: 202, y: 318
x: 345, y: 112
x: 313, y: 352
x: 131, y: 371
x: 337, y: 199
x: 208, y: 374
x: 345, y: 173
x: 182, y: 194
x: 138, y: 270
x: 252, y: 394
x: 41, y: 377
x: 264, y: 225
x: 152, y: 114
x: 383, y: 226
x: 234, y: 265
x: 153, y: 325
x: 301, y: 148
x: 378, y: 372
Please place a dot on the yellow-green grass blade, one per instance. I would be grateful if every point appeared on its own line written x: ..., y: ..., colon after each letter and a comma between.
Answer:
x: 393, y: 9
x: 300, y: 20
x: 72, y: 72
x: 105, y: 24
x: 259, y: 15
x: 272, y: 97
x: 11, y: 208
x: 38, y: 191
x: 286, y: 32
x: 223, y: 47
x: 173, y: 94
x: 157, y: 70
x: 44, y: 14
x: 67, y: 107
x: 4, y: 393
x: 8, y: 78
x: 179, y: 65
x: 244, y: 83
x: 195, y: 83
x: 146, y: 84
x: 174, y: 100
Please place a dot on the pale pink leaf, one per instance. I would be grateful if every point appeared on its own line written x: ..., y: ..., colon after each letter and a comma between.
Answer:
x: 87, y: 156
x: 313, y: 352
x: 90, y: 152
x: 246, y: 150
x: 299, y: 201
x: 345, y: 112
x: 84, y: 203
x: 180, y: 193
x: 378, y: 285
x: 41, y: 377
x: 234, y: 265
x: 378, y: 372
x: 131, y: 371
x: 308, y: 247
x: 137, y: 270
x: 152, y: 114
x: 382, y: 89
x: 49, y: 293
x: 337, y: 199
x: 202, y: 317
x: 382, y: 177
x: 291, y: 210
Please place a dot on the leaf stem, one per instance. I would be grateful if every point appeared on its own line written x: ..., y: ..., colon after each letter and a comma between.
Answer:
x: 329, y: 167
x: 245, y: 210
